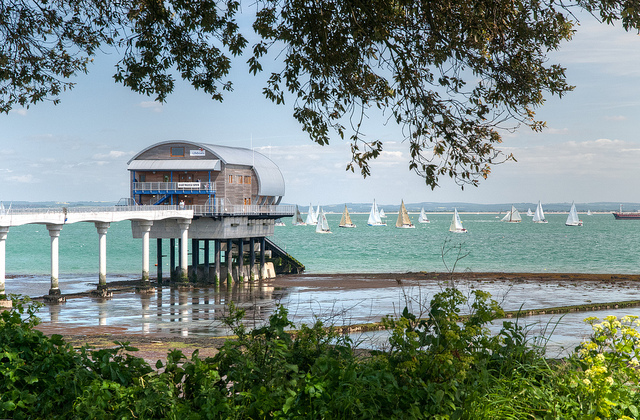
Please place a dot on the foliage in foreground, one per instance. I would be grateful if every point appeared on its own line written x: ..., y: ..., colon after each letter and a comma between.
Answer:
x: 443, y: 367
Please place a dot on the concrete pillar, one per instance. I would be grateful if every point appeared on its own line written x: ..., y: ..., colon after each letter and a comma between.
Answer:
x: 195, y: 255
x: 4, y: 303
x: 172, y: 258
x: 216, y: 256
x: 252, y: 258
x: 229, y: 259
x: 145, y: 226
x: 54, y: 233
x: 263, y: 245
x: 240, y: 260
x: 184, y: 244
x: 102, y: 228
x: 206, y: 252
x: 159, y: 260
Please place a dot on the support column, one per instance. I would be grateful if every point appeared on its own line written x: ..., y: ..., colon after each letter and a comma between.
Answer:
x: 229, y: 258
x: 252, y: 258
x: 102, y: 228
x: 263, y: 245
x: 206, y: 252
x: 4, y: 302
x: 172, y: 258
x: 145, y: 226
x: 54, y: 233
x: 159, y: 260
x: 240, y: 260
x: 195, y: 257
x: 184, y: 245
x: 216, y: 256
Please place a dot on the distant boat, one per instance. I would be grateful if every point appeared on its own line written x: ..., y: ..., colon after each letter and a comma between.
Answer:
x: 382, y: 215
x: 456, y: 224
x: 279, y: 222
x: 573, y: 219
x: 404, y: 221
x: 312, y: 218
x: 374, y: 216
x: 529, y: 212
x: 538, y: 217
x: 423, y: 217
x: 589, y: 213
x: 322, y: 226
x: 621, y: 215
x: 346, y: 222
x: 297, y: 218
x: 512, y: 216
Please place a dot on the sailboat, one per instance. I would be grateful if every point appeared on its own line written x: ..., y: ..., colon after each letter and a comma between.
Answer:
x: 403, y: 218
x: 589, y: 213
x: 312, y: 218
x: 538, y: 217
x: 573, y: 219
x: 423, y: 217
x: 322, y: 226
x: 374, y: 216
x: 346, y: 222
x: 297, y: 218
x: 382, y: 215
x: 512, y: 216
x: 456, y: 224
x: 279, y: 222
x: 529, y: 212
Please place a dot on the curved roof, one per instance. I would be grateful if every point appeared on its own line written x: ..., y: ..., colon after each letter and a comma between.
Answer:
x: 270, y: 179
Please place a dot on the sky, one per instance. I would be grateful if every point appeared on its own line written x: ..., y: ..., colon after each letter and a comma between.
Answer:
x: 589, y: 152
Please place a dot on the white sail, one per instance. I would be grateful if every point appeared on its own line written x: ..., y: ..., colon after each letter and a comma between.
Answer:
x: 374, y: 216
x: 297, y: 218
x: 312, y: 218
x: 573, y: 219
x: 403, y: 218
x: 538, y: 217
x: 322, y: 226
x: 381, y: 213
x: 346, y: 222
x: 423, y: 217
x: 589, y: 213
x: 529, y: 212
x: 513, y: 216
x: 456, y: 224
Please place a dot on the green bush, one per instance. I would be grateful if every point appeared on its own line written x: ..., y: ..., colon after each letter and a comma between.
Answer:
x: 445, y: 366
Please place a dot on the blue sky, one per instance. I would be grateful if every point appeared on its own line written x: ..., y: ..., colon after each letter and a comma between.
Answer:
x: 78, y: 150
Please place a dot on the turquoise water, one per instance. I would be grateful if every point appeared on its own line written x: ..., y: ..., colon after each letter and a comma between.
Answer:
x: 602, y: 245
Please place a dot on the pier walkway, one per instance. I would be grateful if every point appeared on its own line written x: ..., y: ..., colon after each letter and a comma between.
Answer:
x: 55, y: 218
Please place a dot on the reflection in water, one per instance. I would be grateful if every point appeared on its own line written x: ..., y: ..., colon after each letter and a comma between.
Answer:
x: 182, y: 311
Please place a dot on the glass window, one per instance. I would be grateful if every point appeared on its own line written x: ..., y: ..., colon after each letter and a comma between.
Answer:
x: 177, y: 151
x: 247, y: 179
x: 230, y: 179
x: 239, y: 179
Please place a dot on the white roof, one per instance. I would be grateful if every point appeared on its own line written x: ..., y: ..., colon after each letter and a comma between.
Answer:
x: 270, y: 179
x: 175, y: 165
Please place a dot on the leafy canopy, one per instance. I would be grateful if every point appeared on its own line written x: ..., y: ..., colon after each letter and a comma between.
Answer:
x: 450, y: 73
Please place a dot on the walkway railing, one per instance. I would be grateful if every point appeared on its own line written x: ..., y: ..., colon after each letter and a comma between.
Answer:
x: 167, y: 187
x: 198, y: 210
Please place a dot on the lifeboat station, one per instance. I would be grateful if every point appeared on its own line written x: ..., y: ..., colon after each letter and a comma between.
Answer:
x: 222, y: 200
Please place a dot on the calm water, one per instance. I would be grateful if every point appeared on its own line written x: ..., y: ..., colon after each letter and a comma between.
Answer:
x: 602, y: 245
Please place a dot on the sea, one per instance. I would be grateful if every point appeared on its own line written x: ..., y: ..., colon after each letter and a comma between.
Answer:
x: 601, y: 245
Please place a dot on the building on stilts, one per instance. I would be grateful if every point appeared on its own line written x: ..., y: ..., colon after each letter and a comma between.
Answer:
x: 235, y: 195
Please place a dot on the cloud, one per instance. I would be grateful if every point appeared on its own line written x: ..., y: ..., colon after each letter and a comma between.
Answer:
x: 615, y: 118
x: 113, y: 154
x: 23, y: 179
x: 153, y: 105
x: 19, y: 111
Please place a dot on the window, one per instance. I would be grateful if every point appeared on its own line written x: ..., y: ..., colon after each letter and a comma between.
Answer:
x: 230, y: 179
x: 247, y: 201
x: 143, y: 177
x: 239, y: 179
x: 177, y: 151
x: 247, y: 179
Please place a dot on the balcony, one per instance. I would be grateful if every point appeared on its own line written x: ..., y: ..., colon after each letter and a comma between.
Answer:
x: 197, y: 187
